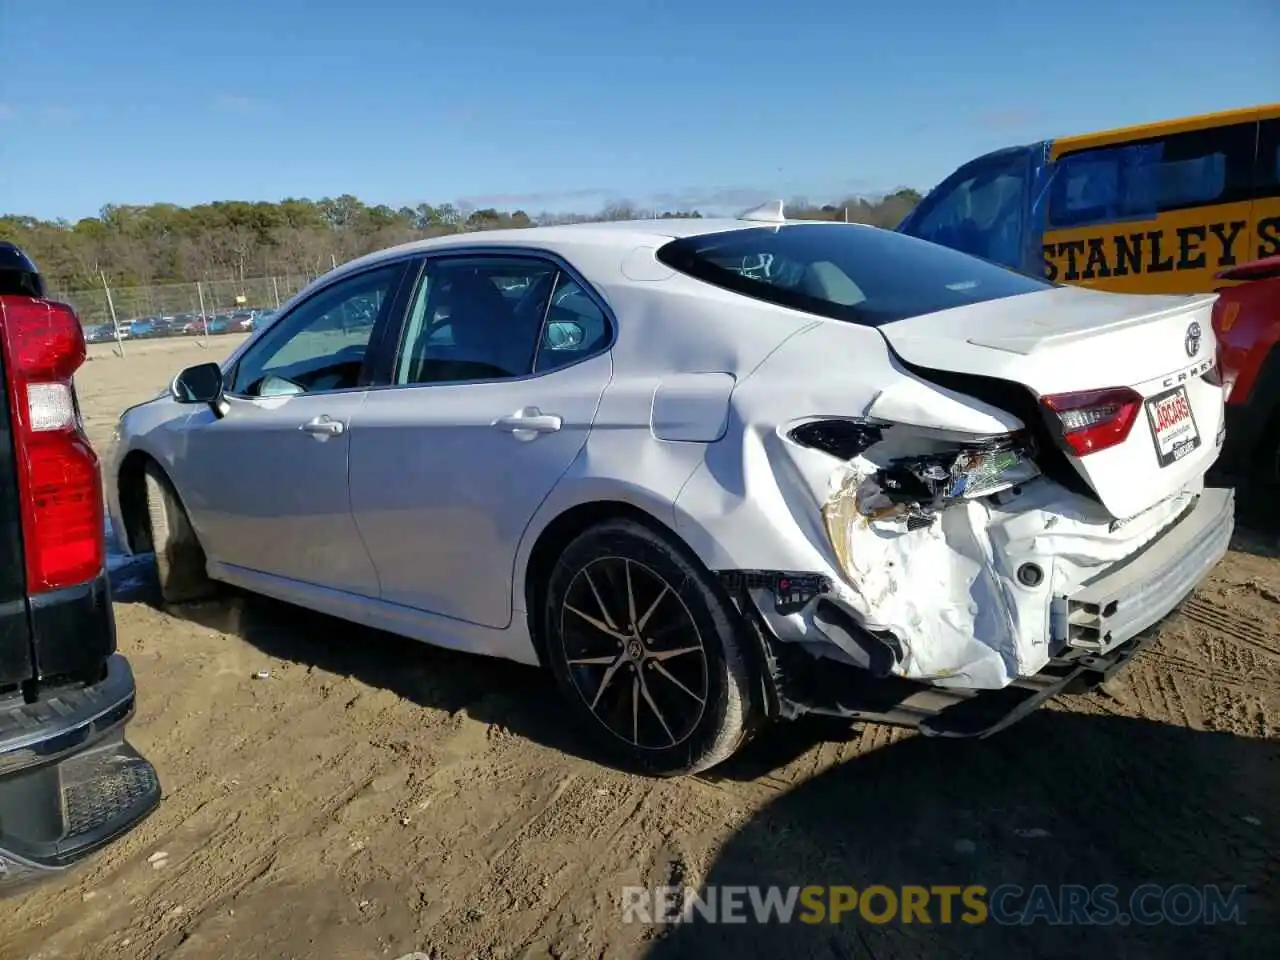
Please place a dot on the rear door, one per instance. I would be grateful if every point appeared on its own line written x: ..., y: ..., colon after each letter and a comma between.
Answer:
x: 15, y: 631
x: 495, y: 390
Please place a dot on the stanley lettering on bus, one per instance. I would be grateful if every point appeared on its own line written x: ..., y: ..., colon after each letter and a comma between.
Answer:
x: 1192, y: 247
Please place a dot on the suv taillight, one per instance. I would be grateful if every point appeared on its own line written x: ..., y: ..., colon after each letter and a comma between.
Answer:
x: 1093, y: 420
x: 58, y: 480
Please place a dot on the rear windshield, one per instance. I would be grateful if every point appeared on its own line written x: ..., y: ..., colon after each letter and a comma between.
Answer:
x: 844, y: 271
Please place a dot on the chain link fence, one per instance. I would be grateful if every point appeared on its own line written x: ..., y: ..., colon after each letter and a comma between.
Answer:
x: 178, y: 309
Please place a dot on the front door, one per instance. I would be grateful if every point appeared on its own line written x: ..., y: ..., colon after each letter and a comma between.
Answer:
x: 266, y: 484
x: 505, y: 359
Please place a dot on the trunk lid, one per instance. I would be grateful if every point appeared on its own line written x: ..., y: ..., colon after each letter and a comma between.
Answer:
x: 15, y: 625
x: 1068, y: 340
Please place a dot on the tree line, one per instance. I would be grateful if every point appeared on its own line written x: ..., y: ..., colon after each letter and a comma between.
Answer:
x: 235, y: 239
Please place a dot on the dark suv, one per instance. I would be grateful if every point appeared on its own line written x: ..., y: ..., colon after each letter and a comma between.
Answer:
x: 69, y: 783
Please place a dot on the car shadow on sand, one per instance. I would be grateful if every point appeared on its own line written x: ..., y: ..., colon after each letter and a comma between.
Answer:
x: 1061, y: 798
x: 519, y: 698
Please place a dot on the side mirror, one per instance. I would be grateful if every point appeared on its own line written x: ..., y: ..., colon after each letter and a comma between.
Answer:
x: 199, y: 384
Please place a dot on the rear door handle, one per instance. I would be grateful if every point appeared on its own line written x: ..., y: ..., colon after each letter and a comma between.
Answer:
x: 528, y: 423
x: 324, y: 426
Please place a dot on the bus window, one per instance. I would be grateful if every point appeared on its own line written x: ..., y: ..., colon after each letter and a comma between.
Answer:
x: 1156, y: 215
x: 978, y: 210
x: 1266, y: 208
x: 1103, y: 186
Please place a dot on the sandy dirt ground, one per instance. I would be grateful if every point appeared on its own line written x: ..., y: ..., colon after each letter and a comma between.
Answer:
x: 375, y: 797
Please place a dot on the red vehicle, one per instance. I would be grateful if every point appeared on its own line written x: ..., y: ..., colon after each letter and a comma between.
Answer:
x: 1246, y: 320
x: 69, y: 780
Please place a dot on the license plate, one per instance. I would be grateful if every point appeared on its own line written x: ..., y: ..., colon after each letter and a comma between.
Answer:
x: 1173, y: 425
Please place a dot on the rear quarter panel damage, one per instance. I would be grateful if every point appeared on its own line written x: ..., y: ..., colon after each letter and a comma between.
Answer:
x: 948, y: 592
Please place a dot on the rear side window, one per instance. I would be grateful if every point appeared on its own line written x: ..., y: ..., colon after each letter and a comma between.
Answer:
x: 1142, y: 179
x: 844, y: 271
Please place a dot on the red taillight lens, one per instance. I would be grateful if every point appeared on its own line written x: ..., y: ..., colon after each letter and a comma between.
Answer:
x: 1094, y: 420
x: 58, y: 480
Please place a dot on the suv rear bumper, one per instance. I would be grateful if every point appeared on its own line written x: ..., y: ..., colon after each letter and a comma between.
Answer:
x: 69, y: 782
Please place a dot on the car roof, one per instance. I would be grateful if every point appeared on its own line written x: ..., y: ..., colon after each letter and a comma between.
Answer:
x: 617, y: 233
x: 620, y: 235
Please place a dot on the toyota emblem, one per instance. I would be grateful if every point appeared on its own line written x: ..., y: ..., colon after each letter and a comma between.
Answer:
x: 1193, y: 339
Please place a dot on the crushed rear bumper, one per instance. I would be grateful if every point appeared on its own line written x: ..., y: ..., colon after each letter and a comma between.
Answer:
x: 1128, y: 597
x: 69, y: 782
x: 1096, y: 632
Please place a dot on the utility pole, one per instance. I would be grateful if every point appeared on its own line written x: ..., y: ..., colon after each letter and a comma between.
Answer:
x: 204, y: 317
x: 111, y: 307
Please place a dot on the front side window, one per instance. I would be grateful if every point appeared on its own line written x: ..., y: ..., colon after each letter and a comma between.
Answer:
x: 980, y: 211
x: 476, y: 318
x: 844, y: 271
x: 320, y: 345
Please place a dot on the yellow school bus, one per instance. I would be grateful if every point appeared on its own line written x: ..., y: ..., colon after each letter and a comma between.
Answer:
x: 1156, y: 208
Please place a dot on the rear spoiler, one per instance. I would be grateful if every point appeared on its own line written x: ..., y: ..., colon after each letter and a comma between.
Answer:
x: 1265, y: 269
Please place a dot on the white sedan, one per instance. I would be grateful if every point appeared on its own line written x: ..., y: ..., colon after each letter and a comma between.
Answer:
x: 709, y: 472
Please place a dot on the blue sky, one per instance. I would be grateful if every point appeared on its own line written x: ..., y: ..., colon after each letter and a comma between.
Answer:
x: 566, y: 104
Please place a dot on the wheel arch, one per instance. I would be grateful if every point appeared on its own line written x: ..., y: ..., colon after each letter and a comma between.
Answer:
x: 131, y: 491
x: 562, y: 530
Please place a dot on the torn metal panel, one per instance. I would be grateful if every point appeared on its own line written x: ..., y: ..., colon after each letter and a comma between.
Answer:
x: 952, y: 560
x: 969, y: 589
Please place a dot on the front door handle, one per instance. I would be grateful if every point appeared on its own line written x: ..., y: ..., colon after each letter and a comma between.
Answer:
x: 324, y: 426
x: 528, y: 423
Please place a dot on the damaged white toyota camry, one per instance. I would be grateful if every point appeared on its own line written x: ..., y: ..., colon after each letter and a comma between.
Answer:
x: 709, y: 472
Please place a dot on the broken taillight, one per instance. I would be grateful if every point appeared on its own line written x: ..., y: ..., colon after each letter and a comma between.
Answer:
x: 62, y: 510
x: 1093, y: 420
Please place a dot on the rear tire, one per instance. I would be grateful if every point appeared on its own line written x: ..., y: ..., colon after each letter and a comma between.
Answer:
x: 646, y: 651
x: 180, y: 560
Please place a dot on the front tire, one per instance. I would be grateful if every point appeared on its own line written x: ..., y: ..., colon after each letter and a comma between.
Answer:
x: 180, y: 560
x: 647, y: 652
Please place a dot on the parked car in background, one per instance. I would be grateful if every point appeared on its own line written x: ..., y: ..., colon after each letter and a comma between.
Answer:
x: 141, y: 327
x: 69, y: 781
x: 220, y: 323
x: 261, y: 318
x: 1246, y: 320
x: 707, y: 471
x: 104, y: 333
